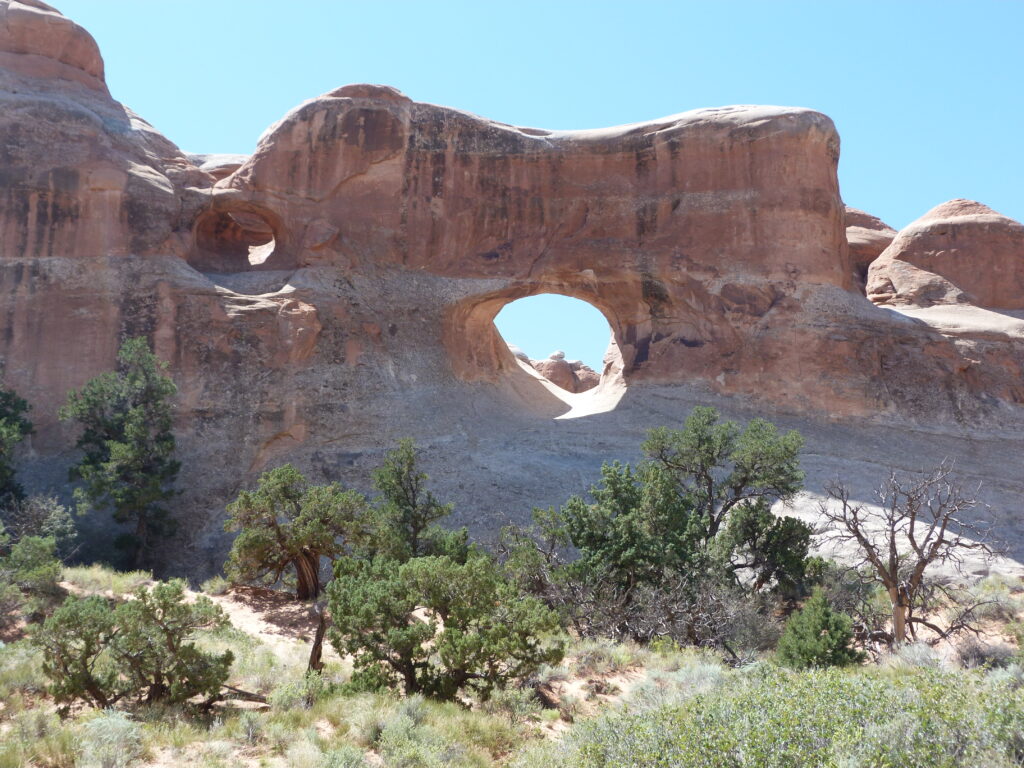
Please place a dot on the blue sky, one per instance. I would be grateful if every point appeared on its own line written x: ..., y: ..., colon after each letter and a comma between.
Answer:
x: 928, y: 96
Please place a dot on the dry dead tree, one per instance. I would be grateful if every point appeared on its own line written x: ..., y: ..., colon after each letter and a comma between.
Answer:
x: 914, y: 526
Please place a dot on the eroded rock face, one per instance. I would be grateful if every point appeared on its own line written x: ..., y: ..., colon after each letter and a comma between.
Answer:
x: 336, y: 290
x: 867, y: 236
x: 958, y: 252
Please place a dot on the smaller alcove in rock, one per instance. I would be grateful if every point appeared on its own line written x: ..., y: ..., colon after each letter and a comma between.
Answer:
x: 232, y: 241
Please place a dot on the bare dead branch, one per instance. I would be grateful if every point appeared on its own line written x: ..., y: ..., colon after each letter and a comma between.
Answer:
x: 916, y: 526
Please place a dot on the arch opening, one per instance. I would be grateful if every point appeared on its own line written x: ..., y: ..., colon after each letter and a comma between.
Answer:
x: 232, y: 241
x: 478, y: 351
x: 564, y: 339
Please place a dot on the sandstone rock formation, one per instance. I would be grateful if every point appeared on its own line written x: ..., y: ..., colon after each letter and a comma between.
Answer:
x: 218, y: 166
x: 958, y: 252
x: 867, y: 237
x: 336, y: 291
x: 571, y: 375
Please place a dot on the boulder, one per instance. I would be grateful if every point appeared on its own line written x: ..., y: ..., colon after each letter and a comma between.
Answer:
x: 570, y: 375
x: 37, y: 41
x: 960, y: 252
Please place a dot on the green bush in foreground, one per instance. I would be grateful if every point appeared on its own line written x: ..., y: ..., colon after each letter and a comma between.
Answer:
x: 772, y: 718
x: 29, y: 571
x: 140, y: 649
x: 817, y: 636
x: 436, y: 626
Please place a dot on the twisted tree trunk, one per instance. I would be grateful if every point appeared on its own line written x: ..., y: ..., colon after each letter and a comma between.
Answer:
x: 307, y: 568
x: 316, y: 653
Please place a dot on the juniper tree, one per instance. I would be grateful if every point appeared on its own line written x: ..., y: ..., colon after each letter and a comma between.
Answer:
x: 141, y: 649
x: 127, y: 463
x: 435, y: 626
x: 407, y: 512
x: 818, y: 636
x: 695, y: 512
x: 286, y: 523
x: 14, y: 427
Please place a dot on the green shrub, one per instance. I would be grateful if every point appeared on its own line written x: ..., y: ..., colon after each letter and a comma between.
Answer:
x: 142, y: 648
x: 829, y: 718
x: 11, y: 601
x: 475, y: 631
x: 817, y: 636
x: 14, y: 427
x: 302, y: 693
x: 287, y: 525
x: 127, y: 445
x: 43, y: 516
x: 29, y: 572
x: 345, y: 757
x: 678, y: 543
x: 33, y: 566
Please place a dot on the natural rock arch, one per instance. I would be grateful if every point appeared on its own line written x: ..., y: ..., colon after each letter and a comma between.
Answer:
x: 477, y: 350
x: 237, y: 238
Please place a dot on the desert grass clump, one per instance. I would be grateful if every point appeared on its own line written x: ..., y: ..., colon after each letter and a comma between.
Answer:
x: 912, y: 656
x: 255, y: 667
x: 601, y: 656
x: 21, y: 671
x: 111, y: 740
x: 38, y: 738
x: 406, y: 742
x: 171, y: 725
x: 248, y: 727
x: 216, y: 586
x: 519, y: 705
x: 304, y: 754
x: 997, y: 598
x: 570, y: 707
x: 690, y: 677
x: 485, y: 736
x: 303, y: 692
x: 344, y: 757
x: 100, y: 579
x: 973, y: 653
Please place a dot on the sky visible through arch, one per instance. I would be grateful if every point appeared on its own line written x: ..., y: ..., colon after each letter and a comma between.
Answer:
x: 928, y: 97
x: 540, y: 325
